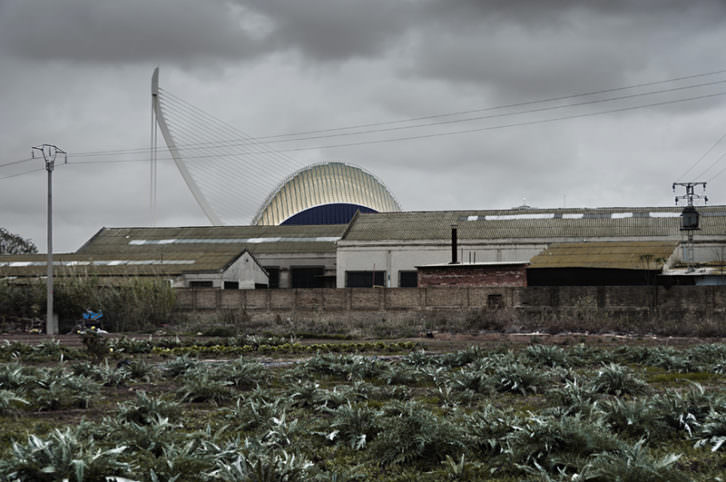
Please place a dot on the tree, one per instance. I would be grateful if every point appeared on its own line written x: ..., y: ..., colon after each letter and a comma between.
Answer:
x: 13, y: 244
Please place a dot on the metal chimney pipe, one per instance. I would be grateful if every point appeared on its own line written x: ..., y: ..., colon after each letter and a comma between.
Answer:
x: 454, y: 259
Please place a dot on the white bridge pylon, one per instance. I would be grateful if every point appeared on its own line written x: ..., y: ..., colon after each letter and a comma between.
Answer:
x: 159, y: 119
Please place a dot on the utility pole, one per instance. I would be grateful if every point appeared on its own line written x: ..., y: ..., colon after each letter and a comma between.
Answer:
x: 49, y: 153
x: 689, y: 216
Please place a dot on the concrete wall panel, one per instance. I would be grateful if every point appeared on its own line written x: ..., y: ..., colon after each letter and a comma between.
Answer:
x: 256, y: 299
x: 366, y: 299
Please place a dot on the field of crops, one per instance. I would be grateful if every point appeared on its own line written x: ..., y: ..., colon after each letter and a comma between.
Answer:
x: 252, y: 408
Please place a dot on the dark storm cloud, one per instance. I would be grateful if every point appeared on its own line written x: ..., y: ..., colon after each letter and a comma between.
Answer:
x: 339, y: 30
x: 547, y: 47
x: 125, y: 31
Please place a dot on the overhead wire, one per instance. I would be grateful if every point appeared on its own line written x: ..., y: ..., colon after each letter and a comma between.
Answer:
x: 226, y: 126
x: 186, y: 122
x: 711, y: 166
x: 703, y: 156
x: 22, y: 173
x: 433, y: 116
x: 478, y: 129
x: 19, y: 161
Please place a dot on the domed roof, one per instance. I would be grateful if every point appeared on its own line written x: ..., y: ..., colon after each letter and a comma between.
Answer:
x: 325, y: 193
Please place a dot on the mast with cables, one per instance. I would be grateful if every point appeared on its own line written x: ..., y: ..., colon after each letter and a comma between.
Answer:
x: 689, y: 216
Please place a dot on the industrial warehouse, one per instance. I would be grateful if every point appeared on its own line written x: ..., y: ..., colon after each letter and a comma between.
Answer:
x: 517, y: 247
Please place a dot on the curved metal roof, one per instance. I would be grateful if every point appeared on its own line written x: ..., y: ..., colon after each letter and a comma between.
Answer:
x: 322, y: 184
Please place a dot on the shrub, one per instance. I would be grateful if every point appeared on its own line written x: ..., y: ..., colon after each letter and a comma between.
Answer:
x: 132, y: 304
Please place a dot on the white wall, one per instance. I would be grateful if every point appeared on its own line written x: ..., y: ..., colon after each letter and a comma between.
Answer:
x: 392, y: 257
x: 327, y: 260
x: 246, y: 272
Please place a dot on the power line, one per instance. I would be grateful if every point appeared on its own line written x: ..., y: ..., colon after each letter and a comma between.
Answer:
x: 220, y: 142
x: 20, y: 161
x: 435, y: 116
x: 708, y: 151
x: 448, y: 133
x: 713, y: 164
x: 21, y: 173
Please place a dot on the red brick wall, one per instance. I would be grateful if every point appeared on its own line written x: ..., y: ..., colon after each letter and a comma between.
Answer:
x: 472, y: 276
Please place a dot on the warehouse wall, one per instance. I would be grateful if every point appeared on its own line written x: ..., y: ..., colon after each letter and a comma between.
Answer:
x: 698, y: 310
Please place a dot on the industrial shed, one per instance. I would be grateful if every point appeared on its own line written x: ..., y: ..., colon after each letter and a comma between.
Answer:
x: 600, y: 263
x: 389, y: 246
x: 182, y: 270
x: 293, y: 256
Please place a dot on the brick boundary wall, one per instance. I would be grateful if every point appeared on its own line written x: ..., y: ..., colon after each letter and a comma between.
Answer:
x: 678, y: 310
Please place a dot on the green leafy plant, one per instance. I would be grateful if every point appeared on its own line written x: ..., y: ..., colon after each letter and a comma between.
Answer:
x: 146, y: 409
x: 353, y: 425
x: 546, y: 355
x: 614, y: 379
x: 263, y: 467
x: 413, y: 433
x: 633, y: 463
x: 557, y: 443
x: 62, y: 456
x: 10, y: 402
x: 200, y: 387
x: 713, y: 431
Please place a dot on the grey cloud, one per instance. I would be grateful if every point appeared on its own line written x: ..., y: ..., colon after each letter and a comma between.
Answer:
x: 549, y: 48
x: 124, y: 31
x: 339, y: 30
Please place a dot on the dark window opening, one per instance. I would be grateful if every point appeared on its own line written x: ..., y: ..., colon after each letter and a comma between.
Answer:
x: 408, y: 279
x: 231, y: 285
x: 364, y: 279
x: 274, y: 276
x: 201, y: 284
x: 495, y: 302
x: 260, y: 286
x: 307, y: 277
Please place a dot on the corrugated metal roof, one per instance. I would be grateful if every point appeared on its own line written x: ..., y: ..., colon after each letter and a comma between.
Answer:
x: 168, y: 265
x: 540, y: 224
x: 215, y: 239
x: 649, y: 255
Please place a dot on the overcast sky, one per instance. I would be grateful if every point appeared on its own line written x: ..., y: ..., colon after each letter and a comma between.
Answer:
x: 76, y: 73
